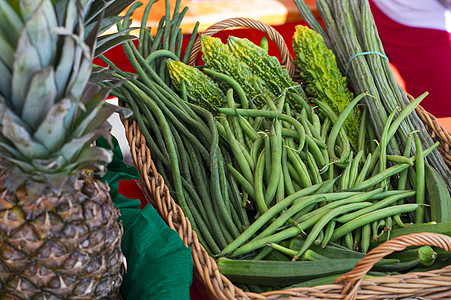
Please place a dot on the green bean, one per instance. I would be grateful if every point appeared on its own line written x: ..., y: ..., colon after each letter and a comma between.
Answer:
x: 268, y: 154
x: 247, y: 128
x: 280, y: 194
x: 281, y: 235
x: 362, y: 131
x: 204, y: 236
x: 402, y: 182
x: 420, y: 180
x: 404, y: 113
x: 313, y: 167
x: 159, y: 147
x: 269, y: 114
x: 201, y: 180
x: 354, y: 169
x: 286, y: 173
x: 174, y: 114
x: 247, y: 186
x: 142, y: 31
x: 377, y: 205
x: 276, y: 160
x: 184, y: 160
x: 235, y: 195
x: 268, y: 215
x: 281, y: 101
x: 224, y: 183
x: 383, y: 144
x: 263, y: 253
x: 303, y: 119
x: 294, y: 176
x: 232, y: 82
x: 388, y: 224
x: 325, y: 128
x: 371, y: 137
x: 399, y: 222
x: 258, y: 184
x: 316, y: 122
x: 328, y: 231
x: 240, y: 157
x: 399, y: 159
x: 282, y: 249
x: 288, y: 132
x: 177, y: 19
x: 349, y: 241
x: 375, y: 227
x: 300, y: 167
x: 309, y: 126
x: 319, y: 237
x: 344, y: 179
x: 181, y: 110
x: 217, y: 193
x: 191, y: 42
x: 297, y: 206
x: 362, y: 175
x: 255, y: 148
x: 234, y: 123
x: 359, y: 197
x: 366, y: 238
x: 371, y: 217
x: 300, y: 100
x: 317, y: 147
x: 337, y: 127
x: 323, y: 222
x: 388, y: 172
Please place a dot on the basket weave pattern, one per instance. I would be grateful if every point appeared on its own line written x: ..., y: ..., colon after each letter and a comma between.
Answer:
x: 425, y: 285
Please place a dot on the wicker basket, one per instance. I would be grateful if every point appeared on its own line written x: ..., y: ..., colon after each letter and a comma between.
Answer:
x: 426, y: 285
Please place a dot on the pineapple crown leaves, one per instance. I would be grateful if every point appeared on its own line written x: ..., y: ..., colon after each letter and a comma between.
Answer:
x: 50, y: 113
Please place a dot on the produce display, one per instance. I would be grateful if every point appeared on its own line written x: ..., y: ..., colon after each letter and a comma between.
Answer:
x: 59, y: 235
x: 287, y: 181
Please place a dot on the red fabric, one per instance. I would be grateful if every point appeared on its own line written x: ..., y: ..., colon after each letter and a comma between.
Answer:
x: 423, y: 59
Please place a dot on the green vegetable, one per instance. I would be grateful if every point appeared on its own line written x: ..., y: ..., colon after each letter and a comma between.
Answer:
x: 439, y: 196
x: 322, y: 77
x: 200, y: 88
x: 281, y: 272
x: 218, y: 57
x: 267, y: 67
x: 425, y: 254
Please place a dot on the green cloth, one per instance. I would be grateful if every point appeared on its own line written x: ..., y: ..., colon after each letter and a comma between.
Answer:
x: 159, y: 265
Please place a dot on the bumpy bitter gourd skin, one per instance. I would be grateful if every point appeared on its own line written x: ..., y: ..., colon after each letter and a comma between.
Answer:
x: 267, y: 67
x: 200, y: 88
x: 323, y: 80
x: 218, y: 57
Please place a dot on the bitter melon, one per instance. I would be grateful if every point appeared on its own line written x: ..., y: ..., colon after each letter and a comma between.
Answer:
x: 218, y: 57
x: 323, y: 80
x: 267, y: 67
x: 200, y: 88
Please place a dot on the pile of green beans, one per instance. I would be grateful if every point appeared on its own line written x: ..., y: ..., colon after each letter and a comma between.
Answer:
x: 301, y: 175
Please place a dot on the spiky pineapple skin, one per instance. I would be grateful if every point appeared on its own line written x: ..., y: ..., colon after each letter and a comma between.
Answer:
x: 60, y: 247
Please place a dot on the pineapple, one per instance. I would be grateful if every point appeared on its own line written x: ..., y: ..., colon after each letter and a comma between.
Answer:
x: 59, y: 235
